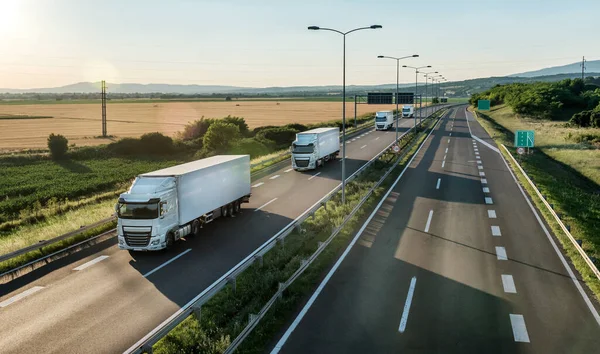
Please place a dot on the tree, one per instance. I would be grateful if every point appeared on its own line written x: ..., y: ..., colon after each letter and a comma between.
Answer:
x: 220, y: 137
x: 58, y: 146
x: 239, y: 121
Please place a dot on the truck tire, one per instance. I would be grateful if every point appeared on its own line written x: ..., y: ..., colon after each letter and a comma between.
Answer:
x: 195, y: 227
x: 237, y: 206
x: 170, y: 240
x: 224, y: 211
x: 230, y: 209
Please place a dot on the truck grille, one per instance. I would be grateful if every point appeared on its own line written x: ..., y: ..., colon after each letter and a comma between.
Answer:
x: 137, y: 239
x: 302, y: 163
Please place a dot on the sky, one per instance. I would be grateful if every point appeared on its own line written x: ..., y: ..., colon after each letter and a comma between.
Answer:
x: 262, y: 43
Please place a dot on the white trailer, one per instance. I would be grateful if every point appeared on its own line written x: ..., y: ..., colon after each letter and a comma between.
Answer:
x: 408, y: 111
x: 314, y: 147
x: 384, y: 120
x: 166, y: 205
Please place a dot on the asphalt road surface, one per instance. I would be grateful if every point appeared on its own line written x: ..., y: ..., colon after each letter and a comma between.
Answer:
x: 454, y: 261
x: 103, y: 300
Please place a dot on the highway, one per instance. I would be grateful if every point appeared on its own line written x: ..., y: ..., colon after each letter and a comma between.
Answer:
x: 455, y: 260
x: 103, y: 300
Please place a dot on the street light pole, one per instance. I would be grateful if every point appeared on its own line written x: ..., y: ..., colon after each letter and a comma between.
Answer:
x: 426, y: 80
x: 315, y: 28
x: 397, y: 83
x: 416, y: 87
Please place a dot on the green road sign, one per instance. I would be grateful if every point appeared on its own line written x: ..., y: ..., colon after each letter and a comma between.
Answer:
x: 483, y: 105
x: 524, y: 138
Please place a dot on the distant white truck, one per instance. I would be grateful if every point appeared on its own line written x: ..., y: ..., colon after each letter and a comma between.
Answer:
x: 408, y: 111
x: 312, y: 148
x: 166, y: 205
x: 384, y: 120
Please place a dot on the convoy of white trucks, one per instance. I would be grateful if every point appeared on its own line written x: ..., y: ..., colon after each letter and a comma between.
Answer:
x: 166, y: 205
x: 312, y: 148
x: 408, y: 111
x: 384, y: 120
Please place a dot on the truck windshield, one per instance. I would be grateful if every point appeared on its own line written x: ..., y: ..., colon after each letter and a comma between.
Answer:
x: 302, y: 149
x: 381, y: 118
x: 137, y: 211
x: 406, y: 110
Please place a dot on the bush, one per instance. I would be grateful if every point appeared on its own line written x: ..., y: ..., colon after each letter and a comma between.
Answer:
x: 296, y: 126
x: 196, y: 129
x: 250, y: 146
x: 125, y: 147
x: 156, y: 144
x: 257, y: 130
x: 220, y: 137
x: 58, y: 146
x: 283, y: 137
x: 240, y: 122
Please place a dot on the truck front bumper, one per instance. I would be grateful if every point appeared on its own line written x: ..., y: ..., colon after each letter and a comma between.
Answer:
x: 153, y: 245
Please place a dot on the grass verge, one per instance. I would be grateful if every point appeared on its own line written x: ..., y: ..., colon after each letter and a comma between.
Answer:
x: 226, y: 314
x: 574, y: 197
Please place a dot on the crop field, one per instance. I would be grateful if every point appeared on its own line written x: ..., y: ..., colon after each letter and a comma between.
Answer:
x: 81, y: 123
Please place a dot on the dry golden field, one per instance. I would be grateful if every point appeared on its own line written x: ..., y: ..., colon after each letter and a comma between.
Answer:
x: 81, y: 123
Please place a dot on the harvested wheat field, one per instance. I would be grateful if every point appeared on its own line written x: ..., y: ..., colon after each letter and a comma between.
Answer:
x: 81, y: 123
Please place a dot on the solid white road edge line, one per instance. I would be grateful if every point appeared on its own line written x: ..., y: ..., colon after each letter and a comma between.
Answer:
x: 264, y: 205
x: 314, y: 296
x: 501, y: 253
x: 438, y: 183
x: 409, y: 296
x: 519, y: 329
x: 586, y: 299
x: 313, y: 176
x: 508, y: 283
x: 167, y: 263
x: 91, y: 263
x: 20, y: 296
x: 428, y: 221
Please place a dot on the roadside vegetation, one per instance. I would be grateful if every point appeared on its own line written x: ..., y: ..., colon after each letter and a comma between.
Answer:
x: 565, y: 164
x: 225, y: 315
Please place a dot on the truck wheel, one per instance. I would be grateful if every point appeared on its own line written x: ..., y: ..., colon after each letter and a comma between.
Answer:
x: 195, y: 227
x: 170, y: 240
x: 224, y: 211
x: 236, y: 207
x: 230, y: 209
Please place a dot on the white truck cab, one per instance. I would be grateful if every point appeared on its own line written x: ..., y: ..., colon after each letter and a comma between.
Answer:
x: 408, y: 111
x: 384, y: 120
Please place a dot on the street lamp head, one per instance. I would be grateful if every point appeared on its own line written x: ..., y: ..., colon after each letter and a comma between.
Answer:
x: 435, y: 72
x: 380, y: 56
x: 415, y: 55
x: 428, y: 66
x: 376, y: 26
x: 313, y: 28
x: 404, y: 66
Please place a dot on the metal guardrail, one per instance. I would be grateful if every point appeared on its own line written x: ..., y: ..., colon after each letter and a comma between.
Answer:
x: 145, y: 344
x: 581, y: 251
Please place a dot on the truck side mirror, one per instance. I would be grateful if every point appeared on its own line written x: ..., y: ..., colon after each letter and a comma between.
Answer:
x: 116, y: 207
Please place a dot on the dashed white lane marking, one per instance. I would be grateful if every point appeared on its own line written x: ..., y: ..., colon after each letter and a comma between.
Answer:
x: 486, y: 190
x: 488, y: 200
x: 288, y: 170
x: 264, y: 205
x: 484, y: 181
x: 479, y: 162
x: 478, y: 157
x: 428, y: 221
x: 168, y: 262
x: 508, y: 284
x: 444, y: 157
x: 354, y: 139
x: 20, y: 296
x: 477, y: 153
x: 482, y: 174
x: 347, y: 142
x: 448, y: 141
x: 273, y: 177
x: 476, y: 150
x: 91, y: 263
x: 446, y: 151
x: 438, y: 183
x: 313, y: 176
x: 377, y: 138
x: 364, y: 146
x: 258, y: 184
x: 443, y: 163
x: 501, y: 253
x: 480, y: 167
x: 491, y: 214
x: 519, y: 329
x: 496, y: 231
x: 450, y: 134
x: 409, y: 296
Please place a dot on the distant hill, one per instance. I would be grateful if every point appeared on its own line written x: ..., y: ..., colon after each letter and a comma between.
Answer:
x: 592, y: 66
x: 89, y: 87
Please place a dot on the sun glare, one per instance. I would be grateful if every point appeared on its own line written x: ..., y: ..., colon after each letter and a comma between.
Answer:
x: 11, y: 16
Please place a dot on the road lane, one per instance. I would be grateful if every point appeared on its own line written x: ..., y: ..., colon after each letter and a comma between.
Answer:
x: 476, y: 292
x: 110, y: 305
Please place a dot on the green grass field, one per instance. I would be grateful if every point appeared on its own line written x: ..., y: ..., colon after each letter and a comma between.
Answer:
x: 567, y: 173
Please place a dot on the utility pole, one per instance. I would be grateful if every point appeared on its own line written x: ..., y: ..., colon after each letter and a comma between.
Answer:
x: 582, y: 67
x: 103, y: 95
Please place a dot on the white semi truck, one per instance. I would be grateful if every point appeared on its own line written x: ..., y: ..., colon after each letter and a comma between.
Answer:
x: 408, y: 111
x: 384, y: 120
x: 166, y: 205
x: 314, y: 147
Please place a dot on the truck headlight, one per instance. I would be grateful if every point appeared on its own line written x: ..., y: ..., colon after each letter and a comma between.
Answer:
x: 155, y: 242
